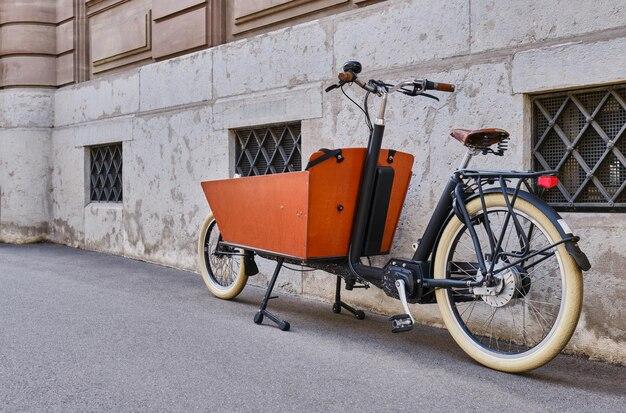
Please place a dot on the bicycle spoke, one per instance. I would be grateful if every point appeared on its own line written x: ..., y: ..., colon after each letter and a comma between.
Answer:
x: 527, y: 317
x: 534, y: 312
x: 224, y: 261
x: 473, y: 303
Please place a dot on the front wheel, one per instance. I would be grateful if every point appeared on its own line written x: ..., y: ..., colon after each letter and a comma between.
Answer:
x: 222, y: 267
x: 530, y: 314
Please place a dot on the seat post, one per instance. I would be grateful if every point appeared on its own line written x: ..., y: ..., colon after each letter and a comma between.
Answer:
x: 468, y: 157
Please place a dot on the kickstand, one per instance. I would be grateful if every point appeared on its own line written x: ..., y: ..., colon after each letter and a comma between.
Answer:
x: 338, y: 305
x: 258, y: 317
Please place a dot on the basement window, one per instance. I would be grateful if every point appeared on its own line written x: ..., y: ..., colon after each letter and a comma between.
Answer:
x: 268, y: 149
x: 106, y: 173
x: 581, y: 134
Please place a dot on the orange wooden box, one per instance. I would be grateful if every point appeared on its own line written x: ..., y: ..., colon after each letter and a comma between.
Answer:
x: 306, y: 214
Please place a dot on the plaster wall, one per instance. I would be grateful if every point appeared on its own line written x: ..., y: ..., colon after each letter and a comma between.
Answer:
x: 174, y: 120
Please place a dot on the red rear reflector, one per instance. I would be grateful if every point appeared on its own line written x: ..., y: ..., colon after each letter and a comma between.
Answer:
x: 547, y: 182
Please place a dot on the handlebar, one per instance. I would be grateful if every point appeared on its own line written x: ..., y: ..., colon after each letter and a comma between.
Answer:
x: 417, y: 85
x: 442, y: 87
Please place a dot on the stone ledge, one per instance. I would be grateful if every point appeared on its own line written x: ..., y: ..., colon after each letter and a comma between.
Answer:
x: 26, y: 108
x: 175, y: 82
x: 299, y: 54
x: 97, y: 99
x: 103, y: 131
x: 282, y: 105
x: 569, y: 65
x: 402, y: 34
x: 501, y: 24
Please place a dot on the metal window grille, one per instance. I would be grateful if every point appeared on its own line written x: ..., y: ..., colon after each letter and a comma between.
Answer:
x: 581, y: 134
x: 106, y: 173
x: 268, y: 150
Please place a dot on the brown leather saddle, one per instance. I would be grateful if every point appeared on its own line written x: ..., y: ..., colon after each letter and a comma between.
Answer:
x: 479, y: 138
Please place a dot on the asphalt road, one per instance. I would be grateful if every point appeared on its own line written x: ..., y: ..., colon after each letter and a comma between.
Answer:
x: 83, y: 331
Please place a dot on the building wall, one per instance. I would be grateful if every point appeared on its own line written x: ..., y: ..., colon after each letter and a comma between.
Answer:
x: 36, y: 43
x: 244, y: 18
x: 26, y: 118
x: 175, y: 119
x: 57, y: 42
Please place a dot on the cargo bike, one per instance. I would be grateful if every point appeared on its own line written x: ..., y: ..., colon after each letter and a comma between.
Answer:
x: 502, y: 266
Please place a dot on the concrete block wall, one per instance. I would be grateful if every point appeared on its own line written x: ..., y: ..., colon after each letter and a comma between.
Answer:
x: 174, y: 119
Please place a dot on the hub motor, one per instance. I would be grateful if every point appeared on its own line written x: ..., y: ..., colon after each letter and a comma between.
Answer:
x: 508, y: 285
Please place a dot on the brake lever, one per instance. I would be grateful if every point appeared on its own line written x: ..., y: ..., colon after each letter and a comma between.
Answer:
x: 429, y: 96
x: 335, y: 86
x: 379, y: 84
x: 416, y: 92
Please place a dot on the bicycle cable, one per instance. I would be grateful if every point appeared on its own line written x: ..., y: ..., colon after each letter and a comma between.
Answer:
x: 367, y: 116
x: 367, y: 112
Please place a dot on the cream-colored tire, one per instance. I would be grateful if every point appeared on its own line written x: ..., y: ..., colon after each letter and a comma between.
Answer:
x: 225, y: 275
x: 569, y: 309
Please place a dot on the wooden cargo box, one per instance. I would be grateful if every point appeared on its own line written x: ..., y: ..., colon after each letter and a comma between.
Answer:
x: 308, y: 214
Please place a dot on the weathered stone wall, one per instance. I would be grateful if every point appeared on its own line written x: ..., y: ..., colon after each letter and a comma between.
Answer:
x: 174, y: 118
x: 26, y: 117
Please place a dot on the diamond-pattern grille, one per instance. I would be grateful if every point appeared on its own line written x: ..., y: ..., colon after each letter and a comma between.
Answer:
x: 581, y: 134
x: 268, y: 150
x: 106, y: 173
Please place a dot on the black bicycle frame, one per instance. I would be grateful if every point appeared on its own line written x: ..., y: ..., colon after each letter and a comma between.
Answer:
x: 452, y: 201
x: 369, y: 273
x: 428, y: 240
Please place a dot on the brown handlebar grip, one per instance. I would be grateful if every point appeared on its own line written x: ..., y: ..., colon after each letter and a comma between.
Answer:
x: 443, y: 87
x: 346, y: 76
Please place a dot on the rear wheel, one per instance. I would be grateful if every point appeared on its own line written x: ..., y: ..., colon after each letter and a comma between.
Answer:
x: 222, y: 267
x: 532, y: 311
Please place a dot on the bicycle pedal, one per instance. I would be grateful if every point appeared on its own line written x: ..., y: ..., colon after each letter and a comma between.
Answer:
x: 401, y: 323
